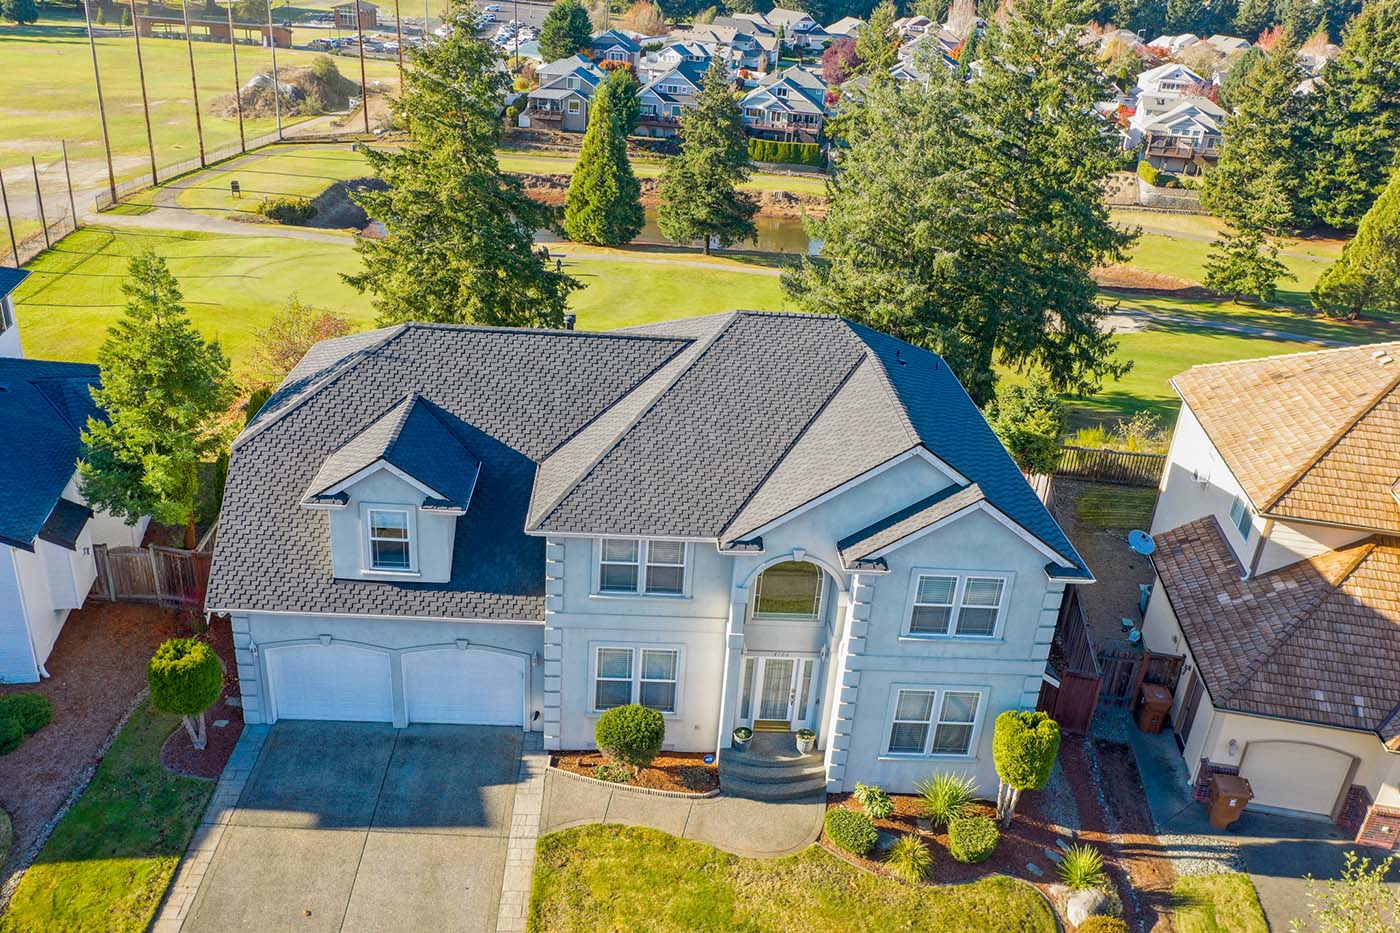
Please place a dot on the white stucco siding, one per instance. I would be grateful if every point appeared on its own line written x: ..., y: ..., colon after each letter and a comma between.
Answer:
x: 432, y: 535
x: 1290, y: 542
x: 255, y: 633
x: 17, y: 664
x: 1197, y: 483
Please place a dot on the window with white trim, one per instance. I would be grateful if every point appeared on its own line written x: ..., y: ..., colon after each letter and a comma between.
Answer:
x: 1241, y: 516
x: 573, y: 106
x: 628, y: 566
x: 933, y: 722
x: 390, y: 540
x: 963, y: 606
x: 791, y: 589
x: 649, y: 676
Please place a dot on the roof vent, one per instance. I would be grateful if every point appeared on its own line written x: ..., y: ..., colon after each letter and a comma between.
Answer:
x: 1382, y: 356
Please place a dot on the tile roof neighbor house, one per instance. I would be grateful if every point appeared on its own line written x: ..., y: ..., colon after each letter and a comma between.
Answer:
x: 779, y: 521
x: 1278, y: 581
x: 47, y: 531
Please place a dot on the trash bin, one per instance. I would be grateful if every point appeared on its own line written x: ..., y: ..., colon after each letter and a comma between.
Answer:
x: 1154, y: 702
x: 1229, y: 795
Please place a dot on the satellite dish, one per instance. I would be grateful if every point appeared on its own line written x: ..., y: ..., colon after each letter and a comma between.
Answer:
x: 1141, y: 542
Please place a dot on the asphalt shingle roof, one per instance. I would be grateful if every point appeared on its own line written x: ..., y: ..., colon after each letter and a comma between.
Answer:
x: 43, y: 407
x: 857, y: 548
x: 10, y: 278
x: 65, y: 523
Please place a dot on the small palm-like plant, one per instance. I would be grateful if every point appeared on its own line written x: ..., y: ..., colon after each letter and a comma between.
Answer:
x: 947, y: 796
x: 877, y: 803
x: 1082, y: 868
x: 909, y: 858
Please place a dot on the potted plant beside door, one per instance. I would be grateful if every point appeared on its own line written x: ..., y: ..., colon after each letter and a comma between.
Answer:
x: 741, y: 737
x: 806, y: 741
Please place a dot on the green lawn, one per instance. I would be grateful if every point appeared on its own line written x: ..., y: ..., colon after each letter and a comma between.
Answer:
x: 110, y: 859
x: 627, y: 878
x: 1115, y: 507
x: 1224, y: 903
x: 1186, y: 259
x: 294, y: 170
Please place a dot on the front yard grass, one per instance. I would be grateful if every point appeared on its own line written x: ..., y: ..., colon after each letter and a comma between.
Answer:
x: 110, y: 859
x: 628, y: 878
x: 1224, y: 903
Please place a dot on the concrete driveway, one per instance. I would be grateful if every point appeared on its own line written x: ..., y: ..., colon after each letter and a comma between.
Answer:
x: 359, y: 826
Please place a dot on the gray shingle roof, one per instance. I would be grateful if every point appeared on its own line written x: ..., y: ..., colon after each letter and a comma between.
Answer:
x: 65, y: 523
x: 10, y: 278
x: 857, y: 549
x: 43, y: 407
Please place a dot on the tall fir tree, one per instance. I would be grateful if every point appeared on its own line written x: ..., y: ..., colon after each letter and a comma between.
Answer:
x: 966, y: 217
x: 1356, y: 118
x: 604, y: 203
x: 23, y: 12
x: 165, y: 391
x: 700, y: 197
x: 877, y: 44
x: 1253, y: 17
x: 1244, y: 263
x: 1367, y: 276
x: 566, y: 30
x: 1262, y: 141
x: 459, y: 233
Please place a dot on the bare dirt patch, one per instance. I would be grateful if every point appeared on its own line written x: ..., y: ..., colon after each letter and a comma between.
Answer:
x: 179, y: 754
x: 683, y: 772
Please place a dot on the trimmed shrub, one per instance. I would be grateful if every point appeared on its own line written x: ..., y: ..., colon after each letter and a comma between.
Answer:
x: 613, y: 773
x: 788, y: 153
x: 947, y: 796
x: 909, y: 858
x: 973, y: 839
x: 1082, y: 868
x: 294, y: 211
x: 877, y: 803
x: 11, y: 735
x: 1102, y: 925
x: 185, y: 677
x: 32, y: 711
x: 852, y: 831
x: 631, y: 734
x: 1148, y: 172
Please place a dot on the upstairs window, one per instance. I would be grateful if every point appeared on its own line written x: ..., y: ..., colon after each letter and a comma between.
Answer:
x: 390, y: 540
x: 789, y: 590
x: 956, y: 605
x: 1241, y: 516
x: 627, y: 566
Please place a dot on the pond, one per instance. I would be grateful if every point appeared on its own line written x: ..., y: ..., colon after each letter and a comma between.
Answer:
x: 775, y: 235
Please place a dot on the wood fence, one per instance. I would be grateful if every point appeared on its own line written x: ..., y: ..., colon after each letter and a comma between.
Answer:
x: 1126, y: 669
x: 1072, y: 702
x: 1124, y: 467
x: 164, y: 575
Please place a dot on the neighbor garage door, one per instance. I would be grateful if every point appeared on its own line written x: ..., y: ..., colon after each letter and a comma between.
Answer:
x: 464, y: 686
x: 1295, y: 776
x: 331, y: 682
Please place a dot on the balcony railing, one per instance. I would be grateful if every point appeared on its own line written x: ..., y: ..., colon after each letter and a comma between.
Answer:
x: 1173, y: 149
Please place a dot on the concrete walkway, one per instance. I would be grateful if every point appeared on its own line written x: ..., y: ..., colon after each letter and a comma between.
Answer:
x: 752, y: 828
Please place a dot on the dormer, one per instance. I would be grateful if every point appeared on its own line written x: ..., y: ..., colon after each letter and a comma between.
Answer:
x: 394, y: 492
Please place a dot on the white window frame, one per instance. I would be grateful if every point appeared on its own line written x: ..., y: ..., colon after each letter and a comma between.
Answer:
x: 822, y: 596
x: 1007, y: 579
x: 635, y: 695
x: 1241, y: 515
x: 643, y: 559
x: 367, y: 542
x: 940, y: 692
x: 574, y: 107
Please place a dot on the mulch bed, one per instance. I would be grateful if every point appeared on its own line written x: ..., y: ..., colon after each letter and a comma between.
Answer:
x: 179, y: 754
x: 98, y: 668
x: 674, y: 771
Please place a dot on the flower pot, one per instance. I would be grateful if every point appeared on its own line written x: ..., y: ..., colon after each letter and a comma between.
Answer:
x: 741, y: 738
x: 806, y: 742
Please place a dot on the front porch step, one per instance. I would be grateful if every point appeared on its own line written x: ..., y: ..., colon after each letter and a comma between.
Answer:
x: 759, y: 772
x: 770, y: 758
x: 785, y: 790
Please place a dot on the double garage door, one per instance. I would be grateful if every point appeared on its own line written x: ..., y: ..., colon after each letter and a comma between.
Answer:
x: 448, y: 685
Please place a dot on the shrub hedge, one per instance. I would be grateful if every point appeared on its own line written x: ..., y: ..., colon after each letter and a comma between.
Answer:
x: 1102, y: 925
x: 973, y: 839
x: 852, y: 831
x: 294, y: 211
x: 32, y: 711
x: 631, y: 734
x: 185, y: 677
x: 788, y: 153
x: 11, y: 735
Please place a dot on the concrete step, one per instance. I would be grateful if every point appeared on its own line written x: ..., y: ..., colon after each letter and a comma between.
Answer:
x: 770, y: 774
x: 787, y: 790
x: 780, y: 759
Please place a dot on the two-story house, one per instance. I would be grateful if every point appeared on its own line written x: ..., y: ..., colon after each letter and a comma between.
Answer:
x: 47, y: 531
x: 1178, y: 134
x: 666, y: 96
x: 795, y: 28
x: 616, y: 45
x: 748, y: 47
x: 788, y: 105
x: 780, y: 521
x: 660, y: 61
x: 562, y: 99
x: 1169, y: 80
x: 1277, y: 559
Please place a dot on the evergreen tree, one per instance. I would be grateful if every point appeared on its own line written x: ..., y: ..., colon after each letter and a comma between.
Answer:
x: 1029, y: 419
x: 1243, y: 263
x: 966, y: 217
x: 1261, y: 142
x: 1253, y: 17
x: 878, y: 43
x: 1356, y: 123
x: 604, y: 204
x: 1367, y: 277
x: 459, y: 233
x: 164, y: 391
x: 566, y: 30
x: 700, y: 198
x: 23, y: 12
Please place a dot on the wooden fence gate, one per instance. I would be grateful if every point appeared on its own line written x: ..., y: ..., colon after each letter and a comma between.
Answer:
x: 1126, y: 669
x: 164, y: 575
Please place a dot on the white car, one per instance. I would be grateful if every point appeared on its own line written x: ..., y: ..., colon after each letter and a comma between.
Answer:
x: 493, y: 8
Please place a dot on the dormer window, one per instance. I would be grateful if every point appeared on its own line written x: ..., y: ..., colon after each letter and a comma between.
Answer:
x: 390, y: 540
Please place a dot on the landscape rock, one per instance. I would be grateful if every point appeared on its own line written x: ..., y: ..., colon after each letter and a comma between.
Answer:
x: 1090, y: 902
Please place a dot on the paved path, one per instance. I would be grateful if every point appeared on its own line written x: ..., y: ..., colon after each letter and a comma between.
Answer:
x: 753, y: 828
x: 514, y: 907
x: 1216, y: 324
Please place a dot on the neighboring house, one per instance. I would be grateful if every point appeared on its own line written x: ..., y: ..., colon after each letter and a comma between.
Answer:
x: 47, y: 532
x: 749, y: 47
x: 1184, y: 139
x: 792, y: 27
x: 1277, y: 560
x: 1173, y: 45
x: 345, y: 15
x: 911, y: 27
x: 845, y: 28
x: 562, y: 99
x: 663, y: 99
x: 1228, y: 45
x: 615, y: 45
x: 661, y: 61
x: 1169, y: 80
x: 790, y: 105
x: 774, y: 520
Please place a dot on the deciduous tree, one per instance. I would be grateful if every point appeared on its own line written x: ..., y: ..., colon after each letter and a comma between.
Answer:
x: 292, y: 331
x: 567, y: 30
x: 23, y: 12
x: 459, y: 233
x: 1367, y: 276
x: 1363, y: 900
x: 839, y: 61
x: 164, y: 391
x: 604, y: 203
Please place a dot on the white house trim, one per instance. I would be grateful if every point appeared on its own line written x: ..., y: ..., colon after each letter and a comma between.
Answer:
x: 372, y: 469
x: 988, y: 509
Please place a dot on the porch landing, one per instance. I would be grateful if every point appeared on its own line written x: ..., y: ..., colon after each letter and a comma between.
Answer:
x: 771, y: 768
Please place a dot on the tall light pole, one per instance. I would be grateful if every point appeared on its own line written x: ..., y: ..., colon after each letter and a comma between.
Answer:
x: 145, y: 103
x: 364, y: 89
x: 398, y: 37
x: 194, y: 81
x: 276, y: 85
x: 237, y: 84
x: 101, y: 107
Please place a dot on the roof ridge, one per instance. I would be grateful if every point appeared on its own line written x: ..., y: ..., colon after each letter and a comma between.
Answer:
x: 409, y: 402
x: 883, y: 375
x: 1327, y: 446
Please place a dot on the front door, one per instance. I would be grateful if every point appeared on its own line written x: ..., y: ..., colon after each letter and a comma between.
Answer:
x: 1189, y: 705
x: 777, y: 692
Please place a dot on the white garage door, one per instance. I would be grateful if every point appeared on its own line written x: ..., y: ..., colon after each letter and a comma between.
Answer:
x: 1295, y: 776
x: 464, y: 686
x: 331, y: 682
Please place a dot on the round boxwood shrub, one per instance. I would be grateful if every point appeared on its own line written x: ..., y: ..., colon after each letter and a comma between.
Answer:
x: 1102, y: 925
x: 11, y: 735
x: 185, y: 677
x: 631, y: 734
x: 973, y: 839
x: 852, y: 831
x: 32, y: 711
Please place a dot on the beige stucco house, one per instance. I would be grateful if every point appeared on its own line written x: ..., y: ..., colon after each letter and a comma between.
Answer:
x: 1278, y: 578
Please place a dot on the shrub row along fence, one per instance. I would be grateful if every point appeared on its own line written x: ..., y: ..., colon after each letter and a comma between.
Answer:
x: 1124, y: 467
x: 788, y: 153
x: 164, y: 575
